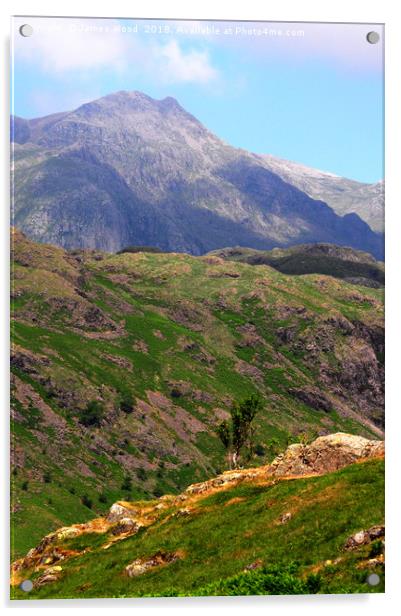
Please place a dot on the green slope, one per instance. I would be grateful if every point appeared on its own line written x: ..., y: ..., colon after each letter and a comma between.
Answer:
x: 228, y: 530
x: 165, y: 343
x: 338, y: 261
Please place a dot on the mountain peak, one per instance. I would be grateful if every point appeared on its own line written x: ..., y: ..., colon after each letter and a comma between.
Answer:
x: 131, y: 100
x: 154, y: 162
x: 122, y: 99
x: 169, y: 102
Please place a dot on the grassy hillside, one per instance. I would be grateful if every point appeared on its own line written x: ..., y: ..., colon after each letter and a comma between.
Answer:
x: 230, y: 540
x: 338, y: 261
x: 123, y: 365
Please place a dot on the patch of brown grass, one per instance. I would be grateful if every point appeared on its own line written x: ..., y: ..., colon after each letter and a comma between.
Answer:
x: 233, y: 501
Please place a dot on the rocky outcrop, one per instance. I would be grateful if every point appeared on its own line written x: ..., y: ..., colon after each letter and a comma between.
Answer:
x: 312, y: 397
x: 363, y: 537
x: 52, y: 574
x: 143, y: 565
x: 348, y: 358
x: 54, y: 549
x: 26, y: 361
x: 324, y: 455
x: 351, y: 265
x: 223, y: 480
x: 126, y: 526
x: 118, y: 512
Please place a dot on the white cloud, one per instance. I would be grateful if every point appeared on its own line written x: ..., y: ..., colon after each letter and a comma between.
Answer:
x: 59, y: 46
x: 190, y: 66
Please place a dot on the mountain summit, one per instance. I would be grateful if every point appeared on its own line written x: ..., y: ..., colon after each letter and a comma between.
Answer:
x: 129, y: 169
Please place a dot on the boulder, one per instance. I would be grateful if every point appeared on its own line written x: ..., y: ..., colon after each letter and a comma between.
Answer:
x: 257, y: 564
x: 182, y: 513
x: 67, y: 532
x: 125, y: 526
x: 364, y: 537
x: 324, y: 455
x: 52, y: 574
x: 219, y: 481
x: 118, y: 511
x: 285, y: 517
x: 142, y: 565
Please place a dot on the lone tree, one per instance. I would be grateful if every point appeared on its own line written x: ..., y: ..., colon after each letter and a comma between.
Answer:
x: 237, y: 433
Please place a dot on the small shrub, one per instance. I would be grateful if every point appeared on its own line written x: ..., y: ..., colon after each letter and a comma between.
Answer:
x: 141, y: 474
x: 102, y: 498
x: 271, y: 580
x: 314, y: 583
x: 47, y: 477
x: 376, y: 548
x: 274, y: 447
x: 92, y: 414
x: 25, y: 486
x: 291, y: 439
x: 127, y: 404
x: 127, y: 483
x: 86, y: 501
x: 260, y: 450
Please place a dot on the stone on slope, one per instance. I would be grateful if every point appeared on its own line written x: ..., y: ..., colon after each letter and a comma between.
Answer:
x: 364, y: 537
x: 118, y: 511
x: 324, y: 455
x: 142, y: 565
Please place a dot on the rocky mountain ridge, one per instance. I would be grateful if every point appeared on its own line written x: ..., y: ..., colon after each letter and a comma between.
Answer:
x: 345, y: 196
x: 128, y: 169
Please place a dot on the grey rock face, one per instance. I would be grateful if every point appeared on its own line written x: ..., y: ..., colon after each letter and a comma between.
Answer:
x: 345, y: 196
x: 130, y: 170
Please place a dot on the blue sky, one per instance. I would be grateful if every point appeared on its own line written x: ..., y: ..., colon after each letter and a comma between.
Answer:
x: 312, y: 93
